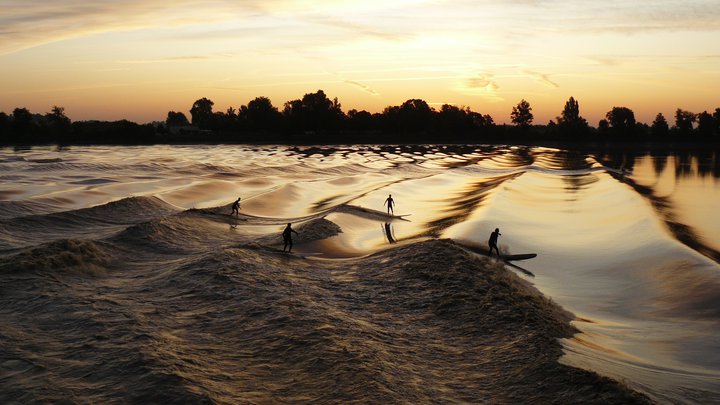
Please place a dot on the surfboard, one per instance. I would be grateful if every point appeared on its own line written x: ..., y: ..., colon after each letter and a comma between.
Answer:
x: 302, y: 255
x: 525, y: 256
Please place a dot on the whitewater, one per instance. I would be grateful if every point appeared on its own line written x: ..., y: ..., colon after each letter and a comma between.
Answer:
x: 126, y: 280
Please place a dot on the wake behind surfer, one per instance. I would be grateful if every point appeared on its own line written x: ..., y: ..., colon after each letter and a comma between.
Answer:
x: 390, y: 204
x: 493, y: 242
x: 236, y: 208
x: 287, y: 237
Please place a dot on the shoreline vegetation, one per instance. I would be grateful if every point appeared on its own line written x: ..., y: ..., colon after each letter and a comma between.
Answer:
x: 317, y: 119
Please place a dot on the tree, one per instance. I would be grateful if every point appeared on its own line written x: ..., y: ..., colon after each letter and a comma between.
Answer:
x: 4, y: 127
x: 487, y: 121
x: 521, y: 114
x: 314, y: 112
x: 706, y: 124
x: 603, y: 127
x: 660, y: 128
x: 59, y: 122
x: 176, y: 119
x: 684, y: 121
x: 570, y: 121
x: 451, y: 118
x: 202, y: 113
x: 415, y: 115
x: 361, y: 120
x: 261, y: 114
x: 621, y: 121
x: 22, y: 121
x: 621, y: 118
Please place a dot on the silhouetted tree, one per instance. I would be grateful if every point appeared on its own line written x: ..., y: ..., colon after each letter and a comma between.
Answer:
x: 706, y: 124
x: 622, y: 122
x: 621, y: 118
x: 4, y: 127
x: 22, y: 122
x: 361, y: 121
x: 487, y: 121
x: 415, y: 115
x: 570, y: 122
x: 315, y: 112
x: 261, y: 115
x: 123, y: 132
x: 454, y: 119
x: 684, y: 121
x: 521, y: 114
x: 225, y: 122
x: 59, y: 124
x: 176, y: 119
x: 660, y: 128
x: 202, y: 113
x: 604, y: 127
x: 389, y: 120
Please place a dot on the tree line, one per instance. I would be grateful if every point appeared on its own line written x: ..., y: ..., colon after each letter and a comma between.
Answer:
x: 315, y: 118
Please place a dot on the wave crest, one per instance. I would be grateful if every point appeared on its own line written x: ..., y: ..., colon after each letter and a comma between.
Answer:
x: 64, y: 256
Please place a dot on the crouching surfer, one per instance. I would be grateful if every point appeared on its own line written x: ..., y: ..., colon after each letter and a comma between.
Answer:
x: 236, y: 208
x: 493, y: 242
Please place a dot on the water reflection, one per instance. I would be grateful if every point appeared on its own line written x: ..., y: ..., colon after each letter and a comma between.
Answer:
x: 665, y: 205
x: 699, y: 162
x: 388, y: 232
x: 461, y: 206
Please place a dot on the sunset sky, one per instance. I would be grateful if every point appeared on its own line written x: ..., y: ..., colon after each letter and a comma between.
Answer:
x: 138, y: 59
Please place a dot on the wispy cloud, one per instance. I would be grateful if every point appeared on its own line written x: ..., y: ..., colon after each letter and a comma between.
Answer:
x: 35, y: 22
x: 483, y: 85
x: 165, y: 60
x: 363, y: 87
x: 542, y: 78
x: 482, y: 82
x: 363, y: 30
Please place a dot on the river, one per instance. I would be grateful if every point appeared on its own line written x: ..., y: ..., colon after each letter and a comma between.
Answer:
x: 627, y: 241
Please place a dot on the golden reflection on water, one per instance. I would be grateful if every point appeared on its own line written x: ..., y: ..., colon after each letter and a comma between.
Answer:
x: 626, y: 240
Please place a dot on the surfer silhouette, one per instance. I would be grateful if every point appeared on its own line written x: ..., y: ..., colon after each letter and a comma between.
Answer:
x: 493, y: 242
x: 236, y: 207
x: 287, y: 237
x: 390, y: 204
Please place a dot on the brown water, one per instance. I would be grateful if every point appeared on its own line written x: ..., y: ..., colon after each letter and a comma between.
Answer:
x: 626, y: 241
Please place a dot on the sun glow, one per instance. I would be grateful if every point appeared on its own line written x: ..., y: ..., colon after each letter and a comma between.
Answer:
x: 140, y: 60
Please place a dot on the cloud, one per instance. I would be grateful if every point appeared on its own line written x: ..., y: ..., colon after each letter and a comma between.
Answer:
x: 542, y: 78
x: 363, y: 87
x: 483, y: 82
x: 165, y: 60
x: 483, y: 85
x: 36, y: 22
x: 605, y: 60
x: 359, y: 29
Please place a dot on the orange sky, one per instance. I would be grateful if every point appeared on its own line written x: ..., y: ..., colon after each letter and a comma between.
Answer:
x: 138, y: 60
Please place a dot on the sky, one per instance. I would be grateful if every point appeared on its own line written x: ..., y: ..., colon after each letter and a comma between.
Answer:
x: 139, y: 59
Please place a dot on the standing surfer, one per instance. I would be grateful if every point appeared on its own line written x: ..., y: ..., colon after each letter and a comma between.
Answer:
x: 287, y: 237
x: 390, y: 204
x: 493, y: 242
x: 236, y: 208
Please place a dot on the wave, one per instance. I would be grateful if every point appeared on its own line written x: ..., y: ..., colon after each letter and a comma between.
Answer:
x: 187, y: 310
x: 86, y: 223
x: 422, y: 323
x: 64, y: 256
